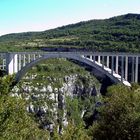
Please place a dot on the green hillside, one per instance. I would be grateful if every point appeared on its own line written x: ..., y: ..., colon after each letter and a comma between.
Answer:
x: 121, y: 33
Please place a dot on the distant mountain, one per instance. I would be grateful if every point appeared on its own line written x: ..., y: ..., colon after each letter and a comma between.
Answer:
x: 120, y: 33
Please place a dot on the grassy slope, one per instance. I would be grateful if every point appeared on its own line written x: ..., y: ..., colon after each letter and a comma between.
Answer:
x: 121, y: 33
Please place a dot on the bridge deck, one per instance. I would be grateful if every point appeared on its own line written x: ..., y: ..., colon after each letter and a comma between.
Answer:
x: 81, y: 53
x: 125, y: 64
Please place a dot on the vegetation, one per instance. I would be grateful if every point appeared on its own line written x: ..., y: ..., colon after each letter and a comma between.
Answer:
x: 72, y: 132
x: 119, y: 33
x: 56, y: 73
x: 119, y: 117
x: 15, y: 122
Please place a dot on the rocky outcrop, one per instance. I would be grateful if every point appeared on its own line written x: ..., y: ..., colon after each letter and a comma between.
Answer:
x: 46, y: 100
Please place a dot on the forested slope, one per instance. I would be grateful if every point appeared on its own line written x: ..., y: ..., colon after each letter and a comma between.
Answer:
x: 121, y: 33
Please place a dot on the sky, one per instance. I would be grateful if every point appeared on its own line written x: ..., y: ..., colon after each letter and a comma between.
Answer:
x: 39, y: 15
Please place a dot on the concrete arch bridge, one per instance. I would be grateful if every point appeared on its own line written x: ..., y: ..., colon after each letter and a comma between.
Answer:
x: 119, y: 67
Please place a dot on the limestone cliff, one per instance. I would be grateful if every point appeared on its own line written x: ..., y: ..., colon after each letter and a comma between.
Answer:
x: 46, y: 93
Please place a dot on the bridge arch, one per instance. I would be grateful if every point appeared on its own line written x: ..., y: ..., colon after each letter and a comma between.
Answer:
x: 79, y: 58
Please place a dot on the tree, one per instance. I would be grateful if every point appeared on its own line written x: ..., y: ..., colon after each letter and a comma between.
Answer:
x: 73, y: 110
x: 72, y: 132
x: 6, y: 83
x: 120, y: 116
x: 15, y: 122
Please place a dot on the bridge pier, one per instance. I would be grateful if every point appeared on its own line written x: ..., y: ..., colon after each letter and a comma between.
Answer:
x: 19, y: 62
x: 136, y: 69
x: 99, y: 59
x: 11, y: 63
x: 112, y: 64
x: 94, y: 59
x: 24, y: 60
x: 3, y: 64
x: 90, y: 57
x: 103, y: 61
x: 116, y: 68
x: 29, y: 58
x: 122, y: 68
x: 33, y: 56
x: 126, y: 68
x: 133, y: 70
x: 107, y: 61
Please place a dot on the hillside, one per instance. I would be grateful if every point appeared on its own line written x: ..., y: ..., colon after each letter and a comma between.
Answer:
x: 121, y: 33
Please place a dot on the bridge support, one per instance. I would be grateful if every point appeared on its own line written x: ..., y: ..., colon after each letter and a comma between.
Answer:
x: 91, y: 57
x: 126, y: 67
x: 112, y: 64
x: 107, y: 61
x: 133, y: 69
x: 136, y: 70
x: 122, y: 68
x: 117, y: 66
x: 103, y: 61
x: 99, y: 59
x: 3, y: 64
x: 11, y: 63
x: 19, y: 61
x: 24, y: 60
x: 29, y: 58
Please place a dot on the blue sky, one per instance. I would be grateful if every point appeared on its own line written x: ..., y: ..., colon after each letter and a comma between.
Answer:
x: 38, y: 15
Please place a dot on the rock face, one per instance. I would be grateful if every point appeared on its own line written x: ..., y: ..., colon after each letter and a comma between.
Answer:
x: 45, y: 100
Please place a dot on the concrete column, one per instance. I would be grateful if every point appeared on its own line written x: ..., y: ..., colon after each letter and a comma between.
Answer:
x: 126, y: 67
x: 29, y: 58
x: 99, y: 59
x: 112, y: 64
x: 133, y: 70
x: 34, y: 57
x: 103, y: 61
x: 3, y: 64
x: 94, y: 58
x: 11, y: 63
x: 39, y: 55
x: 117, y: 66
x: 19, y: 62
x: 107, y: 61
x: 24, y: 60
x: 122, y: 68
x: 7, y: 63
x: 15, y: 63
x: 136, y: 70
x: 90, y: 57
